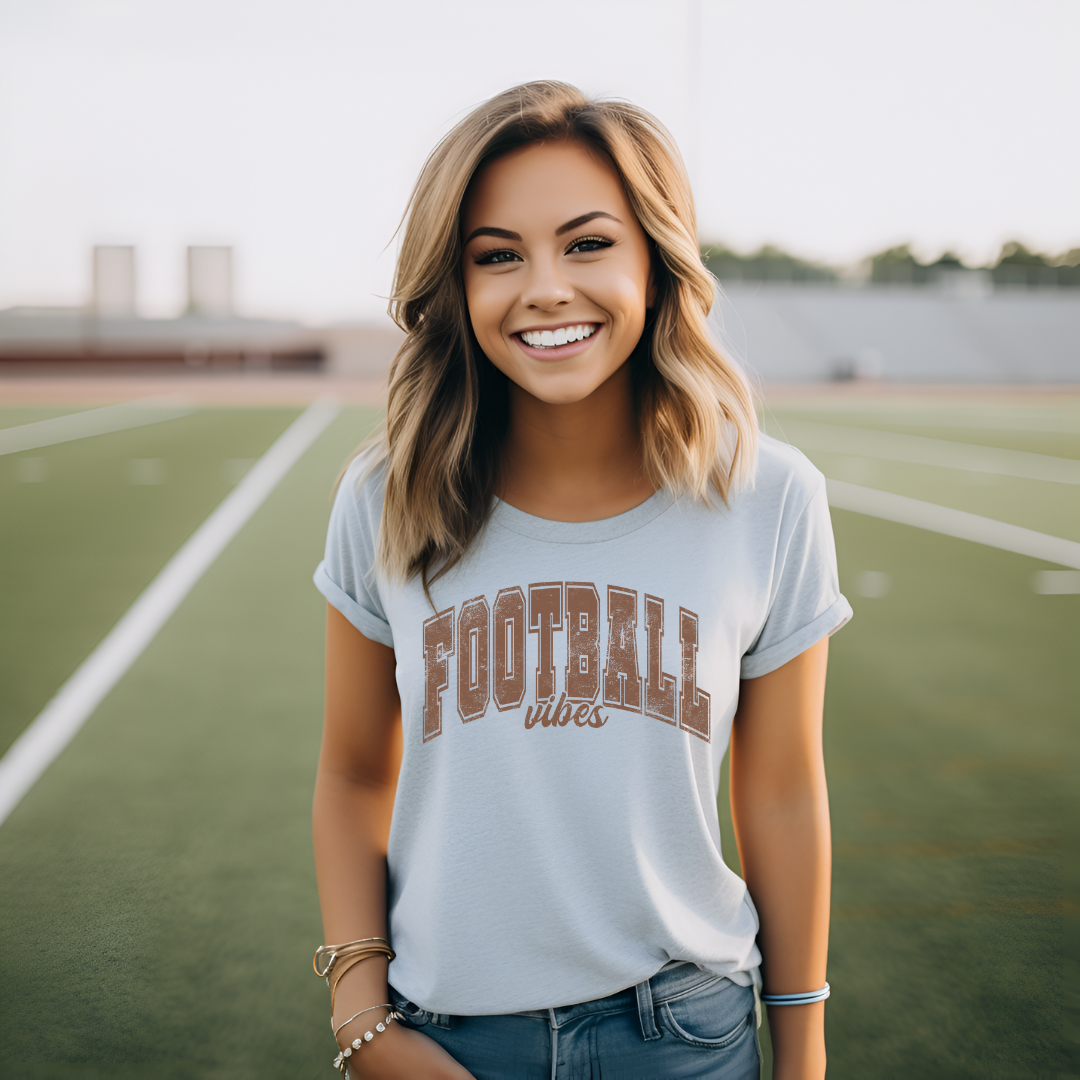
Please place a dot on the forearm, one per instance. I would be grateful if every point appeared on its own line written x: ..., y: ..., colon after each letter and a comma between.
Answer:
x: 349, y: 825
x: 786, y: 856
x: 780, y: 809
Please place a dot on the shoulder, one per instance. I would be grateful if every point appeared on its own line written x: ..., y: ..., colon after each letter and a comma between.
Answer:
x: 785, y: 474
x: 358, y: 503
x: 363, y: 484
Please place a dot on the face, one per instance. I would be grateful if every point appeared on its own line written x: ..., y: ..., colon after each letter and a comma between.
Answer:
x: 557, y: 269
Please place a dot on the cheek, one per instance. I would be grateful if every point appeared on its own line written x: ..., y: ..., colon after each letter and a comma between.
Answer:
x: 629, y: 293
x: 487, y: 307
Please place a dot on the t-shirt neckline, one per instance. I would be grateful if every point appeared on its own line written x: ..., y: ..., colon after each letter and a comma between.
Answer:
x: 581, y: 532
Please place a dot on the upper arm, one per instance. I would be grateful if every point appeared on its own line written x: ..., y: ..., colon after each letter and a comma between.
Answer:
x: 776, y: 749
x: 362, y: 725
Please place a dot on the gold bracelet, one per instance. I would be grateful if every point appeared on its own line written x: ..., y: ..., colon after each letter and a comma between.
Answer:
x: 335, y: 951
x: 351, y: 951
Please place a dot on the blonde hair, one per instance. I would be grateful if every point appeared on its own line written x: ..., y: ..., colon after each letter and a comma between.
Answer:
x: 448, y: 404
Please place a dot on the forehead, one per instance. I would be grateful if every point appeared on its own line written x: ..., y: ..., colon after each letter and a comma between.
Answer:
x: 543, y: 185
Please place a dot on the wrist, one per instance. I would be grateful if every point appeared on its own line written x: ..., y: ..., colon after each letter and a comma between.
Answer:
x: 361, y: 987
x: 798, y: 1040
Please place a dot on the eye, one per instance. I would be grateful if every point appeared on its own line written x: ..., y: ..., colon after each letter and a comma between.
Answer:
x: 586, y: 244
x: 502, y: 255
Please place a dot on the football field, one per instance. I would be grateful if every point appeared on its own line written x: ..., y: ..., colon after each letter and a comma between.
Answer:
x: 158, y: 909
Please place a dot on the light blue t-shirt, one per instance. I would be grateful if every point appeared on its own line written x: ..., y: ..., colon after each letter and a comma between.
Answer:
x: 566, y: 702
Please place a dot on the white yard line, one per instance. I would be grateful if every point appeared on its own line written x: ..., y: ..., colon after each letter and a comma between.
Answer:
x: 81, y: 425
x: 57, y: 724
x: 920, y: 450
x: 950, y: 522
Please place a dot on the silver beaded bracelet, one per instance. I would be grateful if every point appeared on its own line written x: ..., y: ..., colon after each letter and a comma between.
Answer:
x: 342, y: 1060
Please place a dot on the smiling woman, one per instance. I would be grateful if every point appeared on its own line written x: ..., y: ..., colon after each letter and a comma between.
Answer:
x: 554, y: 598
x: 614, y: 225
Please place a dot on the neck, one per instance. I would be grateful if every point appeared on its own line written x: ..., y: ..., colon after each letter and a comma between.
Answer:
x: 576, y: 462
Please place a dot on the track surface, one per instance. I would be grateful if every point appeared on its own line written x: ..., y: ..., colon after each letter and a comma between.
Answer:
x: 157, y: 899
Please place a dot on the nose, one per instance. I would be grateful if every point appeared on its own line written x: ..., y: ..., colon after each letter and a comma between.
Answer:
x: 546, y: 286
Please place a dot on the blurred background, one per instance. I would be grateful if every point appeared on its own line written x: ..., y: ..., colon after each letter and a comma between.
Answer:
x: 198, y: 205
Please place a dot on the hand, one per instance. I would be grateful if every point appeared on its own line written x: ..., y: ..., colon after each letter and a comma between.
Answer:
x: 399, y: 1053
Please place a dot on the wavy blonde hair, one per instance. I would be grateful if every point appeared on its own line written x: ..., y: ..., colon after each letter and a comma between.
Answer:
x: 448, y: 404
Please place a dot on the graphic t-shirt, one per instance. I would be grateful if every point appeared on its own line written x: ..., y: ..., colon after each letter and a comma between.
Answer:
x: 566, y: 703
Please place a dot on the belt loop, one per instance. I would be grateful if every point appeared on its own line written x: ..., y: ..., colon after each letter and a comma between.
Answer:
x: 554, y: 1043
x: 649, y: 1030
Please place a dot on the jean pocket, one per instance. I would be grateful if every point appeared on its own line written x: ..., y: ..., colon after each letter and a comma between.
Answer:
x: 714, y: 1016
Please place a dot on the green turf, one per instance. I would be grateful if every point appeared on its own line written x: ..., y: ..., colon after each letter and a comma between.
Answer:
x: 158, y: 905
x: 157, y: 899
x: 1035, y: 504
x: 1045, y: 429
x: 946, y: 719
x: 78, y: 545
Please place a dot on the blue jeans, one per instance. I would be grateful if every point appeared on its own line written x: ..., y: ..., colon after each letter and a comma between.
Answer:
x: 683, y: 1022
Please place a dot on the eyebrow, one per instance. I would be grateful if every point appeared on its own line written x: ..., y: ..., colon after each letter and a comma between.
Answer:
x: 578, y: 221
x: 487, y: 230
x: 506, y: 234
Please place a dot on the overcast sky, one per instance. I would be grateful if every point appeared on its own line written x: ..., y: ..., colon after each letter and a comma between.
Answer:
x: 293, y: 129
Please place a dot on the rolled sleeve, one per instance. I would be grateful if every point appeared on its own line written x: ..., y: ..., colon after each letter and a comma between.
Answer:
x: 368, y: 623
x: 806, y: 603
x: 348, y: 575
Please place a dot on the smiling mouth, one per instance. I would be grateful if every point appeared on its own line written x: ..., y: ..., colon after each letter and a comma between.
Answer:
x: 564, y: 335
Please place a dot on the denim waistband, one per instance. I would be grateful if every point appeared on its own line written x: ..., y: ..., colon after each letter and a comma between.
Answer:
x: 666, y: 985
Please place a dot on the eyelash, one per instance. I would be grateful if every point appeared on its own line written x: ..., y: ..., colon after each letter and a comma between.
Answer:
x: 602, y: 240
x: 487, y: 258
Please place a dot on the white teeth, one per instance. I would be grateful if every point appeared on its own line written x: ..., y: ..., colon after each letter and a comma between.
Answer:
x: 549, y: 339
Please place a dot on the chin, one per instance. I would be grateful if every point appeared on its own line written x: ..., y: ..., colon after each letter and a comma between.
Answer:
x: 561, y: 395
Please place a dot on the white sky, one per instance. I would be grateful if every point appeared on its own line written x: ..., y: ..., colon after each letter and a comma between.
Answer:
x: 293, y: 129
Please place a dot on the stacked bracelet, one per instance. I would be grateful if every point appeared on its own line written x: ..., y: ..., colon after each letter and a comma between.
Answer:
x: 806, y: 998
x: 341, y: 1061
x: 340, y: 959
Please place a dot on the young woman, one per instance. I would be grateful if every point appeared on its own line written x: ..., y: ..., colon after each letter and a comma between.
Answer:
x: 565, y: 573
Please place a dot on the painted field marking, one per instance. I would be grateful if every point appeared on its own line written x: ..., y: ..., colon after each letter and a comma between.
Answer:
x: 920, y: 450
x: 81, y: 425
x: 57, y: 724
x: 950, y: 522
x: 1056, y: 582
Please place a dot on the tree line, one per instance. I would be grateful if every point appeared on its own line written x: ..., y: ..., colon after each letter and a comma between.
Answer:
x: 1015, y: 267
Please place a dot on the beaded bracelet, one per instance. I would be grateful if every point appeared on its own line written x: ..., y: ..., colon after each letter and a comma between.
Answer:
x: 341, y: 1061
x: 808, y: 997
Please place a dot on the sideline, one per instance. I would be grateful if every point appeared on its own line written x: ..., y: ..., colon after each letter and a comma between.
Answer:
x: 922, y: 450
x: 58, y: 723
x: 81, y: 425
x: 959, y: 523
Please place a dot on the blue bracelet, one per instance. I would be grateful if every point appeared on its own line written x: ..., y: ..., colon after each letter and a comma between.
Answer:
x: 807, y: 998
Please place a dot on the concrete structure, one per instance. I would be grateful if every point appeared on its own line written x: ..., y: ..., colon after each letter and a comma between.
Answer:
x: 114, y: 281
x: 36, y: 335
x: 811, y: 333
x: 82, y: 337
x: 109, y: 333
x: 210, y: 281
